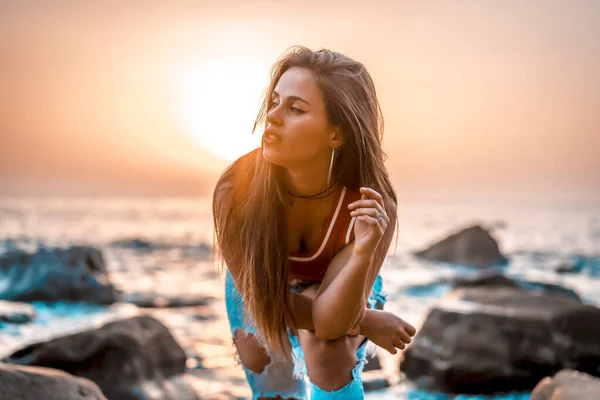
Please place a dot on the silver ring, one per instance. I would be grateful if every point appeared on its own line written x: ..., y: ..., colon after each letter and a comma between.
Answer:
x: 380, y: 215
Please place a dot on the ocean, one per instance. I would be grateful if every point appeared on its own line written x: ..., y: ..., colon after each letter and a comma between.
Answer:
x: 162, y: 245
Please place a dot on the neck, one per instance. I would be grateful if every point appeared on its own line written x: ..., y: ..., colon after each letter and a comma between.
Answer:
x: 307, y: 179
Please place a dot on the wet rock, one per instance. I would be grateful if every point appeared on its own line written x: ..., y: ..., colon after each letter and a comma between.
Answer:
x: 580, y: 264
x: 134, y: 243
x: 490, y: 278
x: 152, y: 300
x: 135, y: 358
x: 485, y: 278
x: 374, y: 380
x: 77, y: 273
x: 16, y: 313
x: 201, y: 250
x: 567, y: 385
x: 373, y: 364
x: 34, y: 383
x: 471, y: 247
x: 550, y: 289
x: 501, y: 339
x: 567, y: 268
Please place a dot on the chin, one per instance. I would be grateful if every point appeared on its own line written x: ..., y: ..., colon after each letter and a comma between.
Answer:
x: 273, y: 156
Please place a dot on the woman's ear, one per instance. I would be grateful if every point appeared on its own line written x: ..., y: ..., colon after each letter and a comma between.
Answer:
x: 335, y: 138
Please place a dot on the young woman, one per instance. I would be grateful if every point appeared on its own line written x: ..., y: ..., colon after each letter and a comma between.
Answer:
x: 304, y: 224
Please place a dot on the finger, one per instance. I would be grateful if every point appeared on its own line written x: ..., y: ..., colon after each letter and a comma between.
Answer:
x: 409, y: 329
x: 373, y: 194
x: 372, y: 222
x: 372, y: 212
x: 405, y: 337
x: 399, y: 344
x: 369, y: 203
x: 391, y: 349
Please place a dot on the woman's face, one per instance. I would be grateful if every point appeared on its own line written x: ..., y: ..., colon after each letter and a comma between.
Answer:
x: 297, y: 129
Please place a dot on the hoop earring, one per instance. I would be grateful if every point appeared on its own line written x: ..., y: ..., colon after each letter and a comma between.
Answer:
x: 330, y: 165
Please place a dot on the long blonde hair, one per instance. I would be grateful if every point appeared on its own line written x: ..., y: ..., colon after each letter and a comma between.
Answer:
x: 251, y: 230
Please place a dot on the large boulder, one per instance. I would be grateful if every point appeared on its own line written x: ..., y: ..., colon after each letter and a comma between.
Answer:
x: 499, y: 339
x: 77, y: 273
x: 129, y: 359
x: 471, y: 247
x: 35, y: 383
x: 567, y: 385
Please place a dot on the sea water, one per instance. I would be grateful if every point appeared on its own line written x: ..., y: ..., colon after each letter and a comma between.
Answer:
x: 160, y: 245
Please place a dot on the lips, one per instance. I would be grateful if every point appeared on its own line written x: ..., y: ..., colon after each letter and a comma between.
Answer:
x: 271, y: 136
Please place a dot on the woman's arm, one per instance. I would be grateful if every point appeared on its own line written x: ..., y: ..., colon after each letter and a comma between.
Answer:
x: 302, y: 305
x: 341, y: 300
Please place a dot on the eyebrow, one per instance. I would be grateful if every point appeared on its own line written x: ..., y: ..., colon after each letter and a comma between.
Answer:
x: 292, y: 98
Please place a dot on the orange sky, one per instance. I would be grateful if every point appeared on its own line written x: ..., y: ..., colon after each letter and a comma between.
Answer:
x: 498, y: 98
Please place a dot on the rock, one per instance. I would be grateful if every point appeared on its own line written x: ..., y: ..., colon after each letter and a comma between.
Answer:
x: 152, y: 300
x: 490, y: 278
x: 567, y: 268
x: 471, y: 247
x: 201, y: 250
x: 134, y: 243
x: 16, y: 313
x: 373, y: 364
x: 567, y: 385
x: 550, y: 289
x: 502, y: 339
x: 33, y: 383
x: 374, y: 380
x: 135, y: 358
x: 580, y: 264
x: 485, y: 278
x: 51, y: 274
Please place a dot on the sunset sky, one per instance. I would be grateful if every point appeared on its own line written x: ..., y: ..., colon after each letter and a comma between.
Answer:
x: 498, y: 98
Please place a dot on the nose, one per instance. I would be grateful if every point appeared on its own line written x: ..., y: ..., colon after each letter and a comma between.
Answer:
x: 274, y: 116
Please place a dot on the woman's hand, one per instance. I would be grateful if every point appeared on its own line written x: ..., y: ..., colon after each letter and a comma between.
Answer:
x: 371, y: 221
x: 387, y: 331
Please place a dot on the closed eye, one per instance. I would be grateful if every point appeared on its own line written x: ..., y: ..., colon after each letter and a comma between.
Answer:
x: 297, y: 110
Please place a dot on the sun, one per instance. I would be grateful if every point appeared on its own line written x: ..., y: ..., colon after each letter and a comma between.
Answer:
x: 217, y: 101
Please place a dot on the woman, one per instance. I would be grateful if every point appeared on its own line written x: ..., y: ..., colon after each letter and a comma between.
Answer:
x: 303, y: 224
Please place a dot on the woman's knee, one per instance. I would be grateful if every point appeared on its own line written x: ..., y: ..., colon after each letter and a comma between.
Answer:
x: 329, y: 363
x: 251, y: 353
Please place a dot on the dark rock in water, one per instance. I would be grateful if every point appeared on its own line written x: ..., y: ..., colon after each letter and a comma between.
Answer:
x: 134, y: 243
x: 374, y: 380
x: 373, y: 364
x: 152, y: 300
x: 471, y: 247
x: 16, y: 313
x: 550, y: 289
x: 502, y: 339
x: 201, y: 250
x: 567, y: 385
x: 135, y: 358
x: 580, y: 264
x: 490, y: 278
x: 77, y: 273
x: 19, y: 382
x: 567, y: 268
x: 485, y: 278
